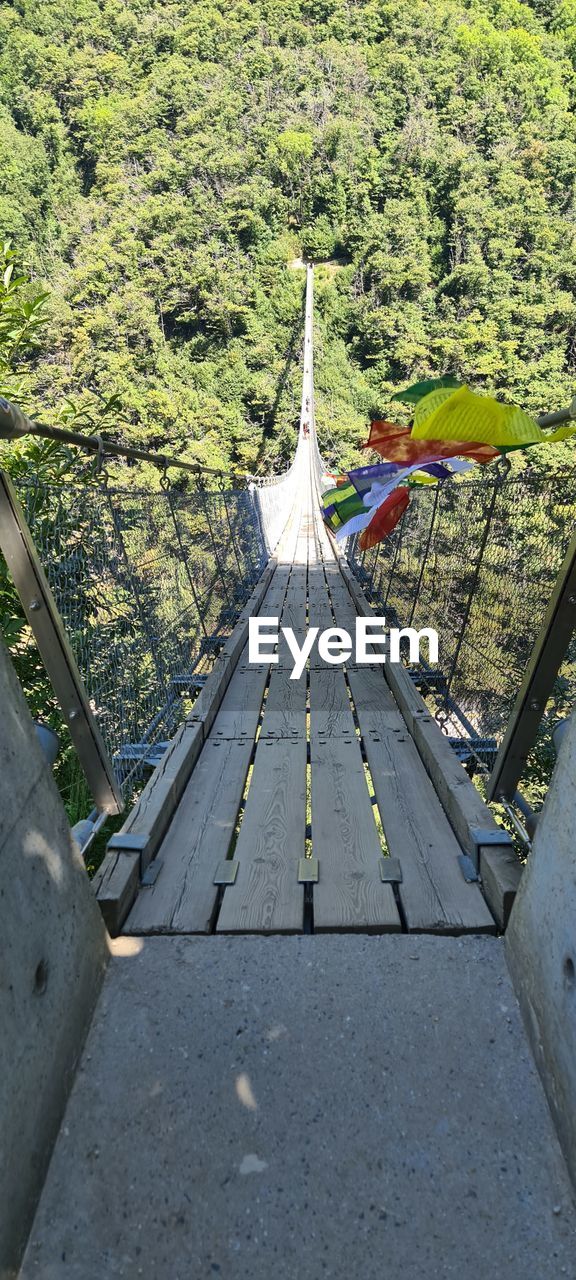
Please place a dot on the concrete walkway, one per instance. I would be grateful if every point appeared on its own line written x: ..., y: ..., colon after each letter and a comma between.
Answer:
x: 327, y: 1106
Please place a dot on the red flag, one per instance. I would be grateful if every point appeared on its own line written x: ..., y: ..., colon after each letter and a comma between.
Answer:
x: 385, y: 518
x: 396, y: 444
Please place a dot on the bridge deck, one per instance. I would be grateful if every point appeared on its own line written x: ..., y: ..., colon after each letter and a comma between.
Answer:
x: 323, y: 767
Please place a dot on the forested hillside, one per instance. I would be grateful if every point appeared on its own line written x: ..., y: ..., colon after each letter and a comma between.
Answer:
x: 163, y: 163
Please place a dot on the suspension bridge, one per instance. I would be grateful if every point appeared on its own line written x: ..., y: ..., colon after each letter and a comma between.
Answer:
x: 253, y: 1095
x: 307, y: 852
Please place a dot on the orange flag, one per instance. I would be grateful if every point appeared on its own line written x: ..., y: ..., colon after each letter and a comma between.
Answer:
x: 385, y: 518
x: 396, y: 444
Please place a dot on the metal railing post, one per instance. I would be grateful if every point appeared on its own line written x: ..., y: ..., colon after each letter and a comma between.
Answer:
x: 184, y: 561
x: 232, y: 535
x: 375, y: 555
x: 425, y: 556
x: 545, y: 661
x: 395, y: 557
x: 202, y: 490
x: 475, y: 576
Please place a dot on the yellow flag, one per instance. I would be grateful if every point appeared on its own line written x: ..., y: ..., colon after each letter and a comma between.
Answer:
x: 428, y: 404
x: 462, y: 415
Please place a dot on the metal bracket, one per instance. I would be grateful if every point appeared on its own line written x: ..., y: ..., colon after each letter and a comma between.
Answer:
x: 152, y: 872
x: 467, y: 868
x: 143, y: 752
x: 490, y: 835
x: 226, y: 872
x: 191, y: 680
x: 472, y: 748
x: 390, y: 871
x: 308, y: 870
x: 128, y: 843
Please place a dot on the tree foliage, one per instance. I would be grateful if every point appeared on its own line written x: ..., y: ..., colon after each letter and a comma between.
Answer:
x: 162, y: 163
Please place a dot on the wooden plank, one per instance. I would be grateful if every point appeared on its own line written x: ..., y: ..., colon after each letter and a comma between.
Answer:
x: 330, y: 714
x: 325, y: 549
x: 240, y: 711
x: 245, y: 688
x: 285, y: 712
x: 118, y: 880
x: 293, y: 611
x: 461, y: 801
x: 407, y: 695
x: 343, y: 606
x: 345, y: 614
x: 501, y: 873
x: 183, y: 898
x: 350, y: 894
x: 319, y: 606
x: 317, y: 590
x: 148, y: 820
x: 286, y: 548
x: 266, y: 897
x: 372, y: 697
x: 434, y: 895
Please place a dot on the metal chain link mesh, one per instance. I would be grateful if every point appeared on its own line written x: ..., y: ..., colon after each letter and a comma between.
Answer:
x: 148, y: 586
x: 275, y: 498
x: 477, y: 561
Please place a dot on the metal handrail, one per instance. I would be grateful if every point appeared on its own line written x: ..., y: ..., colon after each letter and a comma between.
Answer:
x: 14, y: 424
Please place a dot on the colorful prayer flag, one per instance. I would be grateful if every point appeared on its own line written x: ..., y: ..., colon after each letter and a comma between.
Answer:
x: 462, y: 415
x: 385, y: 518
x: 363, y: 477
x: 397, y: 444
x: 338, y: 494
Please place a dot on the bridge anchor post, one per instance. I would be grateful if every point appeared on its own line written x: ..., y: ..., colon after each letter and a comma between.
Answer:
x: 541, y: 946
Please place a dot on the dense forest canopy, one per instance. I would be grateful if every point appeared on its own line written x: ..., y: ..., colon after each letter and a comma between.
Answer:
x: 163, y: 163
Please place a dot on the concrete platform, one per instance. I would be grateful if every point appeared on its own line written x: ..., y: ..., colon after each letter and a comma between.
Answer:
x: 329, y: 1106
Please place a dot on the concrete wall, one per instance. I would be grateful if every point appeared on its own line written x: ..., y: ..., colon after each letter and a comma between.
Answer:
x: 53, y: 952
x: 541, y: 946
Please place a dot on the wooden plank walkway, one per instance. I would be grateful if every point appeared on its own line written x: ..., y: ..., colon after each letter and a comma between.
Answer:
x: 249, y: 798
x: 320, y: 767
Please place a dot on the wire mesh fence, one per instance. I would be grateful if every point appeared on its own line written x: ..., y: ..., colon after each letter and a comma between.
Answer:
x: 477, y: 561
x: 274, y: 498
x: 148, y: 585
